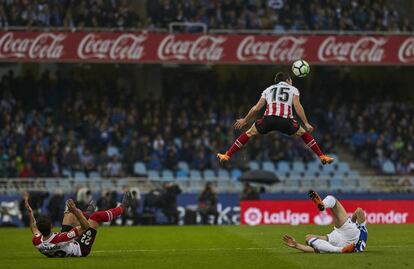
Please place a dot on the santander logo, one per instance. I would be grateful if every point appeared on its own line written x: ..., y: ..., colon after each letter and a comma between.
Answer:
x: 364, y: 50
x: 283, y: 49
x: 40, y: 46
x: 123, y: 47
x: 204, y: 48
x: 406, y: 51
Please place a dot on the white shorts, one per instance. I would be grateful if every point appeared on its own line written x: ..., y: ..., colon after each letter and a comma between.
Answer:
x: 347, y: 234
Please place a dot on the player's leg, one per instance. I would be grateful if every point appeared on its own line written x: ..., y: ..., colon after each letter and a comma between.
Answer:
x: 338, y: 211
x: 313, y: 145
x: 238, y: 143
x: 69, y: 220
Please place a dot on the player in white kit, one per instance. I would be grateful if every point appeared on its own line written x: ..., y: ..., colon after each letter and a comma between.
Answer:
x: 349, y: 234
x: 78, y: 233
x: 280, y: 99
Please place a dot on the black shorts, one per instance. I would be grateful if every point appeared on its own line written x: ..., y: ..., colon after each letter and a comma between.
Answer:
x: 274, y: 123
x: 85, y: 240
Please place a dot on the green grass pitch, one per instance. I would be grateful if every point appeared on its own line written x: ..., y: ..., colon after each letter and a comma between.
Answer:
x: 389, y: 246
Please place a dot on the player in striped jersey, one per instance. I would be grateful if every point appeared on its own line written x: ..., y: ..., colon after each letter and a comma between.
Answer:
x: 349, y: 234
x: 280, y: 99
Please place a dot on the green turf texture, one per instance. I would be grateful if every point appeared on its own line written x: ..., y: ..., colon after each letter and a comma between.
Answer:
x: 389, y: 246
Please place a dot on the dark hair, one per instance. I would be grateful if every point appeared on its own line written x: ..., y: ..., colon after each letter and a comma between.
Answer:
x: 44, y: 225
x: 281, y: 76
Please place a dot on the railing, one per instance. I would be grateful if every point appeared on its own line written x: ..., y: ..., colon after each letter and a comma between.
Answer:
x: 351, y: 184
x: 205, y: 30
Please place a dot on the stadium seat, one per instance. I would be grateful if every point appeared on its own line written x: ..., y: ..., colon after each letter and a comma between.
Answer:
x: 167, y: 174
x: 195, y: 174
x: 313, y: 167
x: 209, y: 174
x: 298, y: 166
x: 268, y: 166
x: 388, y: 167
x: 254, y: 165
x: 182, y: 175
x: 66, y: 173
x: 183, y: 166
x: 342, y: 167
x: 235, y: 174
x: 112, y: 151
x: 223, y: 175
x: 153, y: 174
x: 178, y: 142
x: 283, y: 167
x: 140, y: 168
x: 95, y: 175
x: 80, y: 175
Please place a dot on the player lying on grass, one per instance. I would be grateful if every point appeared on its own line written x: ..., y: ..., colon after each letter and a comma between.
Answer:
x: 349, y: 234
x: 278, y: 117
x: 77, y: 234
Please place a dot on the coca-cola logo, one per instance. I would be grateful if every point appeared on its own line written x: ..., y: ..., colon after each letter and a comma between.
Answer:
x: 122, y: 47
x: 204, y: 48
x: 406, y: 51
x: 364, y: 50
x: 40, y: 46
x: 283, y: 49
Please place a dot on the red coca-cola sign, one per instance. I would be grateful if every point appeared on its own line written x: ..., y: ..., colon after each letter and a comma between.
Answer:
x: 305, y: 212
x: 139, y: 47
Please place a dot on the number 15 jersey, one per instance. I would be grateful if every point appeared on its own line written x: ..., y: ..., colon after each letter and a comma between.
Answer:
x: 279, y: 99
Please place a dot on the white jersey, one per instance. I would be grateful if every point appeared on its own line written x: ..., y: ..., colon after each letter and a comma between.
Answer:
x: 58, y: 244
x: 279, y: 99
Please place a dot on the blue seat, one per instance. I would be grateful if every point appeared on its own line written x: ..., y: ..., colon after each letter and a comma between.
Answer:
x: 182, y: 175
x: 209, y: 174
x: 388, y: 167
x: 298, y: 166
x: 342, y: 167
x: 112, y: 151
x: 140, y: 168
x: 223, y: 174
x: 314, y: 167
x: 254, y: 165
x: 269, y: 166
x: 283, y: 167
x: 153, y: 174
x: 95, y: 174
x: 66, y: 173
x: 167, y: 174
x: 236, y: 173
x: 183, y: 166
x: 195, y: 174
x: 80, y: 175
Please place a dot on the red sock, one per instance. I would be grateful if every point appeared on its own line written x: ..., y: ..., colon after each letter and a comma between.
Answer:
x: 238, y: 144
x: 311, y: 143
x: 108, y: 215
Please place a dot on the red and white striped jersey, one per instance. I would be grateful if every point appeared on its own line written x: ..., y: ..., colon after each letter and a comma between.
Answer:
x: 58, y: 244
x: 279, y: 99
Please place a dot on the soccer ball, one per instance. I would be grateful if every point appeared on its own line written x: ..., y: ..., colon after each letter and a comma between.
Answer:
x: 300, y: 68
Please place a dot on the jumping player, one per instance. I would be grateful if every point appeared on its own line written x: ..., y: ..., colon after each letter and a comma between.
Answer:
x: 278, y: 117
x: 349, y: 234
x: 77, y: 234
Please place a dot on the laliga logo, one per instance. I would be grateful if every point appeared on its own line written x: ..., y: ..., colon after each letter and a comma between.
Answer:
x: 406, y: 51
x: 253, y: 216
x: 323, y: 218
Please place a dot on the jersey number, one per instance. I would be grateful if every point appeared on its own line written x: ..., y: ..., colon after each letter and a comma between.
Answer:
x: 281, y: 93
x: 86, y: 239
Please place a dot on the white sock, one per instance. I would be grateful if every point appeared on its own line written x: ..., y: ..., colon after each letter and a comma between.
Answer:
x: 329, y: 201
x: 322, y: 246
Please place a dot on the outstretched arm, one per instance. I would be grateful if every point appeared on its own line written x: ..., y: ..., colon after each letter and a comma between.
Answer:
x: 291, y: 242
x: 252, y: 112
x: 84, y: 224
x: 32, y: 220
x: 301, y: 113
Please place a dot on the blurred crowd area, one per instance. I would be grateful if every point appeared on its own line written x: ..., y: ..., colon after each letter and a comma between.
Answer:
x: 68, y: 13
x: 69, y: 121
x: 278, y: 15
